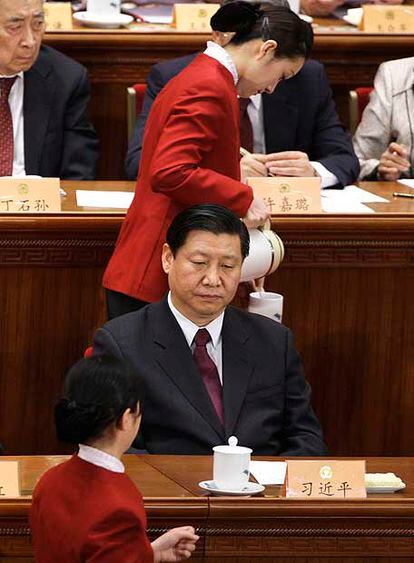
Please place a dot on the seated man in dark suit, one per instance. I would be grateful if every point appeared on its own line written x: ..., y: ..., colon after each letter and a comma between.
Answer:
x: 297, y: 126
x: 212, y: 370
x: 43, y: 99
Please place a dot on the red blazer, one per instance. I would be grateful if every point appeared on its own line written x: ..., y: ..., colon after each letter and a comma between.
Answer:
x: 190, y: 156
x: 81, y: 512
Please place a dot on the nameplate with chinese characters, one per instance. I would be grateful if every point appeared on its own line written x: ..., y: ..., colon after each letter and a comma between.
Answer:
x: 285, y: 194
x: 58, y: 16
x: 387, y: 19
x: 325, y: 479
x: 29, y: 195
x: 194, y: 17
x: 9, y: 479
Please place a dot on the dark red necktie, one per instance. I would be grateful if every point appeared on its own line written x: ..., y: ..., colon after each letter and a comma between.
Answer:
x: 6, y: 128
x: 246, y: 129
x: 208, y: 371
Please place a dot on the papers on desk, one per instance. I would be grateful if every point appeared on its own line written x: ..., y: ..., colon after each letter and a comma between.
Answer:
x: 114, y: 200
x: 269, y: 472
x: 349, y: 200
x: 409, y: 183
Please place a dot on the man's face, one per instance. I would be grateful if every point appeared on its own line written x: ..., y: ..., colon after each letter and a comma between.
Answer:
x: 21, y: 31
x: 204, y: 274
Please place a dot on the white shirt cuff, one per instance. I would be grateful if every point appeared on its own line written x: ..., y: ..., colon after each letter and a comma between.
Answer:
x: 327, y: 178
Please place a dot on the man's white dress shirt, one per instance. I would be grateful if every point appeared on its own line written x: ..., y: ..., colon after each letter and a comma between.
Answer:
x: 16, y: 109
x: 214, y: 348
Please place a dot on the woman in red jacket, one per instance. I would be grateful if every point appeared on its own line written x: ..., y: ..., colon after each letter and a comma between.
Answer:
x: 191, y: 143
x: 87, y: 509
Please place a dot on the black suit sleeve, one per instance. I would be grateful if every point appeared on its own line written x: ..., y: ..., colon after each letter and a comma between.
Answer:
x: 155, y: 83
x: 301, y: 434
x: 331, y: 143
x: 80, y: 144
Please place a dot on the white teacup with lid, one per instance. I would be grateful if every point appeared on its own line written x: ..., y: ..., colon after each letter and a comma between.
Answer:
x: 231, y: 468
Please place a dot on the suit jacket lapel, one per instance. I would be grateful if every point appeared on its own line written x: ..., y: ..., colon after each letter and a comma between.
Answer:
x: 280, y: 116
x: 39, y: 90
x: 237, y: 367
x: 174, y: 356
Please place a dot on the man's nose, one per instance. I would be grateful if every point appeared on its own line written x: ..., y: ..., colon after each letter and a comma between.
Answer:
x: 212, y: 276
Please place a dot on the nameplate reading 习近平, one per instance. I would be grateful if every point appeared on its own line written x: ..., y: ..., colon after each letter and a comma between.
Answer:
x: 58, y: 16
x: 193, y: 17
x: 387, y: 19
x: 9, y: 479
x: 29, y: 195
x: 286, y: 194
x: 325, y: 479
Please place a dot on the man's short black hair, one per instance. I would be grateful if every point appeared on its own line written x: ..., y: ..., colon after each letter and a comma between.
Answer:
x: 215, y: 219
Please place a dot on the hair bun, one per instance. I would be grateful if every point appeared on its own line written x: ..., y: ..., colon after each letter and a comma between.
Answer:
x: 75, y: 422
x: 239, y: 17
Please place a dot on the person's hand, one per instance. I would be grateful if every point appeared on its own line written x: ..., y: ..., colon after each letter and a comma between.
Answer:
x: 253, y: 165
x: 257, y: 214
x: 175, y: 545
x: 392, y: 162
x: 320, y: 7
x: 289, y: 163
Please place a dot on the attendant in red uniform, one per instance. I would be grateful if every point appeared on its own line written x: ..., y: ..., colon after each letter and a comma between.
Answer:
x: 191, y: 145
x: 87, y: 509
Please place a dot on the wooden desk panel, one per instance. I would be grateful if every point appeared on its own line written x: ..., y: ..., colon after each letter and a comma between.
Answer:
x: 347, y: 282
x: 118, y: 59
x: 250, y: 530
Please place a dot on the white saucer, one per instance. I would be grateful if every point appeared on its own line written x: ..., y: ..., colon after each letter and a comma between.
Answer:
x: 384, y: 490
x: 248, y: 490
x: 106, y: 22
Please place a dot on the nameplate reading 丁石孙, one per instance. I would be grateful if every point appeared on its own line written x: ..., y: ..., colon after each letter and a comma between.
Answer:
x: 9, y: 479
x: 387, y: 19
x: 286, y: 194
x: 58, y: 16
x: 29, y: 195
x: 194, y: 17
x: 325, y: 479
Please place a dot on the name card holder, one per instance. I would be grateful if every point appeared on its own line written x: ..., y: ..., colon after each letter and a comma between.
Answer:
x: 326, y: 479
x: 29, y: 195
x: 193, y: 17
x: 58, y: 16
x: 9, y: 479
x: 387, y: 19
x: 288, y: 195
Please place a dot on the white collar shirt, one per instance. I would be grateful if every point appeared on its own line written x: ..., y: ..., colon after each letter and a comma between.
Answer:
x: 100, y: 458
x: 215, y: 51
x: 190, y: 329
x: 16, y: 110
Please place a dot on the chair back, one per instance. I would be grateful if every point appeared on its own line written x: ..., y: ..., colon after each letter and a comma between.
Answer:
x: 135, y: 97
x: 358, y: 100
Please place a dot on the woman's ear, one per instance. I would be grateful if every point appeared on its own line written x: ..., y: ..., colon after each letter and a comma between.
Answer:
x: 268, y: 49
x: 222, y: 38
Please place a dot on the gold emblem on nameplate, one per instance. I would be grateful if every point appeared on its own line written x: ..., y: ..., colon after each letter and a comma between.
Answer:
x: 23, y: 189
x: 326, y: 472
x: 284, y: 188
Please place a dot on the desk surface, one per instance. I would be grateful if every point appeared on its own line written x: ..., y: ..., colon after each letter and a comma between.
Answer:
x: 168, y: 476
x: 395, y: 205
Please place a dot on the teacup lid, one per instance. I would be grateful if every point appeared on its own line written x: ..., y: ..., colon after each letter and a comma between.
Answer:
x: 232, y: 447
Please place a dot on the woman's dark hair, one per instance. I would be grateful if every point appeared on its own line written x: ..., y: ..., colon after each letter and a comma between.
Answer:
x: 249, y: 21
x: 215, y: 219
x: 97, y: 392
